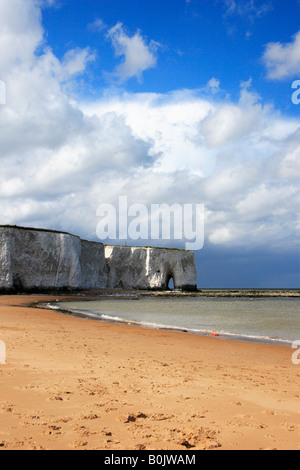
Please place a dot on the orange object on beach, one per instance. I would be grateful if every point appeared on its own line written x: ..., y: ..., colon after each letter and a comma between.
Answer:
x: 214, y: 334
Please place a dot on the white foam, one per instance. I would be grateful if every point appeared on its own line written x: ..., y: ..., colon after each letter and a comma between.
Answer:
x: 114, y: 318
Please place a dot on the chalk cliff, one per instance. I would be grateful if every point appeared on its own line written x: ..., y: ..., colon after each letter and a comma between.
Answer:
x: 150, y: 268
x: 37, y: 260
x: 93, y: 265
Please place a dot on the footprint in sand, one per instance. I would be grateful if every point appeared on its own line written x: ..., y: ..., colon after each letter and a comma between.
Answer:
x: 202, y: 438
x: 133, y: 417
x: 79, y: 444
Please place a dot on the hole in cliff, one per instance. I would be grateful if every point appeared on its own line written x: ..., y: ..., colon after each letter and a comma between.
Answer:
x: 170, y: 283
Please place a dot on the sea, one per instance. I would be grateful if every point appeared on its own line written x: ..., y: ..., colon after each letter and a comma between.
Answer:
x: 268, y: 320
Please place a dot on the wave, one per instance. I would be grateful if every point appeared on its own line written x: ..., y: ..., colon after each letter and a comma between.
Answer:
x: 221, y: 334
x: 180, y: 329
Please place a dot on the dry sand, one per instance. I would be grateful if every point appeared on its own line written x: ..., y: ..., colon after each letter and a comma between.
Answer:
x: 72, y: 383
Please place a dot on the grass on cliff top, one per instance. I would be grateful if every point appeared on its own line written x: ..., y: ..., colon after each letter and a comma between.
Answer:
x: 17, y: 227
x: 147, y: 246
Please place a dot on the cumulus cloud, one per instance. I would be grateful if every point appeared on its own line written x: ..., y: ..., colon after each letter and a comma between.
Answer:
x: 282, y: 61
x: 230, y: 121
x: 138, y: 56
x: 60, y: 158
x: 76, y: 60
x: 21, y: 33
x: 50, y: 152
x: 288, y: 158
x: 234, y: 157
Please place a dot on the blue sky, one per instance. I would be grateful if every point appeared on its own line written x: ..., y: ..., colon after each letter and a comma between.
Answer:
x: 162, y: 101
x: 196, y: 40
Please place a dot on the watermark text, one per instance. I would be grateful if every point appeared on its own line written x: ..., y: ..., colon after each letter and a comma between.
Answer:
x: 184, y: 222
x: 162, y: 460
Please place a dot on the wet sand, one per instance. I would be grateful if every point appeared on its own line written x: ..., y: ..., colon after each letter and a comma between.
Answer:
x: 72, y: 383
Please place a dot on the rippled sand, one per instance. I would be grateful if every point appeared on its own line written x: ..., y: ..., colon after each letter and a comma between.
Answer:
x: 72, y: 383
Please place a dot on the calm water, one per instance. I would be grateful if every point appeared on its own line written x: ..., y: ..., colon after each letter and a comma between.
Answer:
x: 274, y: 320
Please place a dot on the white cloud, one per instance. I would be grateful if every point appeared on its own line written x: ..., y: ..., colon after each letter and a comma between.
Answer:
x: 231, y: 6
x: 247, y: 10
x: 76, y: 60
x: 289, y: 158
x: 138, y: 56
x: 214, y: 85
x: 21, y: 33
x: 60, y: 158
x: 98, y: 25
x: 169, y: 123
x: 282, y: 61
x: 230, y: 122
x: 250, y: 8
x: 221, y: 235
x: 266, y: 200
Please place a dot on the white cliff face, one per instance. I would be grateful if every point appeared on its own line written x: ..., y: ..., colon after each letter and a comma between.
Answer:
x: 150, y: 268
x: 5, y: 264
x: 32, y: 259
x: 93, y: 265
x: 126, y: 267
x: 165, y: 264
x: 37, y: 259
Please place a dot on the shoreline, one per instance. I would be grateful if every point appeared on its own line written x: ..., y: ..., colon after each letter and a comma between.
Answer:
x: 153, y: 326
x: 115, y: 294
x: 226, y: 292
x: 72, y: 383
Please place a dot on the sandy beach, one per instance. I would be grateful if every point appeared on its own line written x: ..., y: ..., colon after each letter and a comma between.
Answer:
x: 76, y: 384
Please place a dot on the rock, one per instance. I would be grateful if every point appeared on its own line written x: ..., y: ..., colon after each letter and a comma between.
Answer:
x: 150, y: 268
x: 32, y: 259
x: 93, y: 265
x: 40, y: 260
